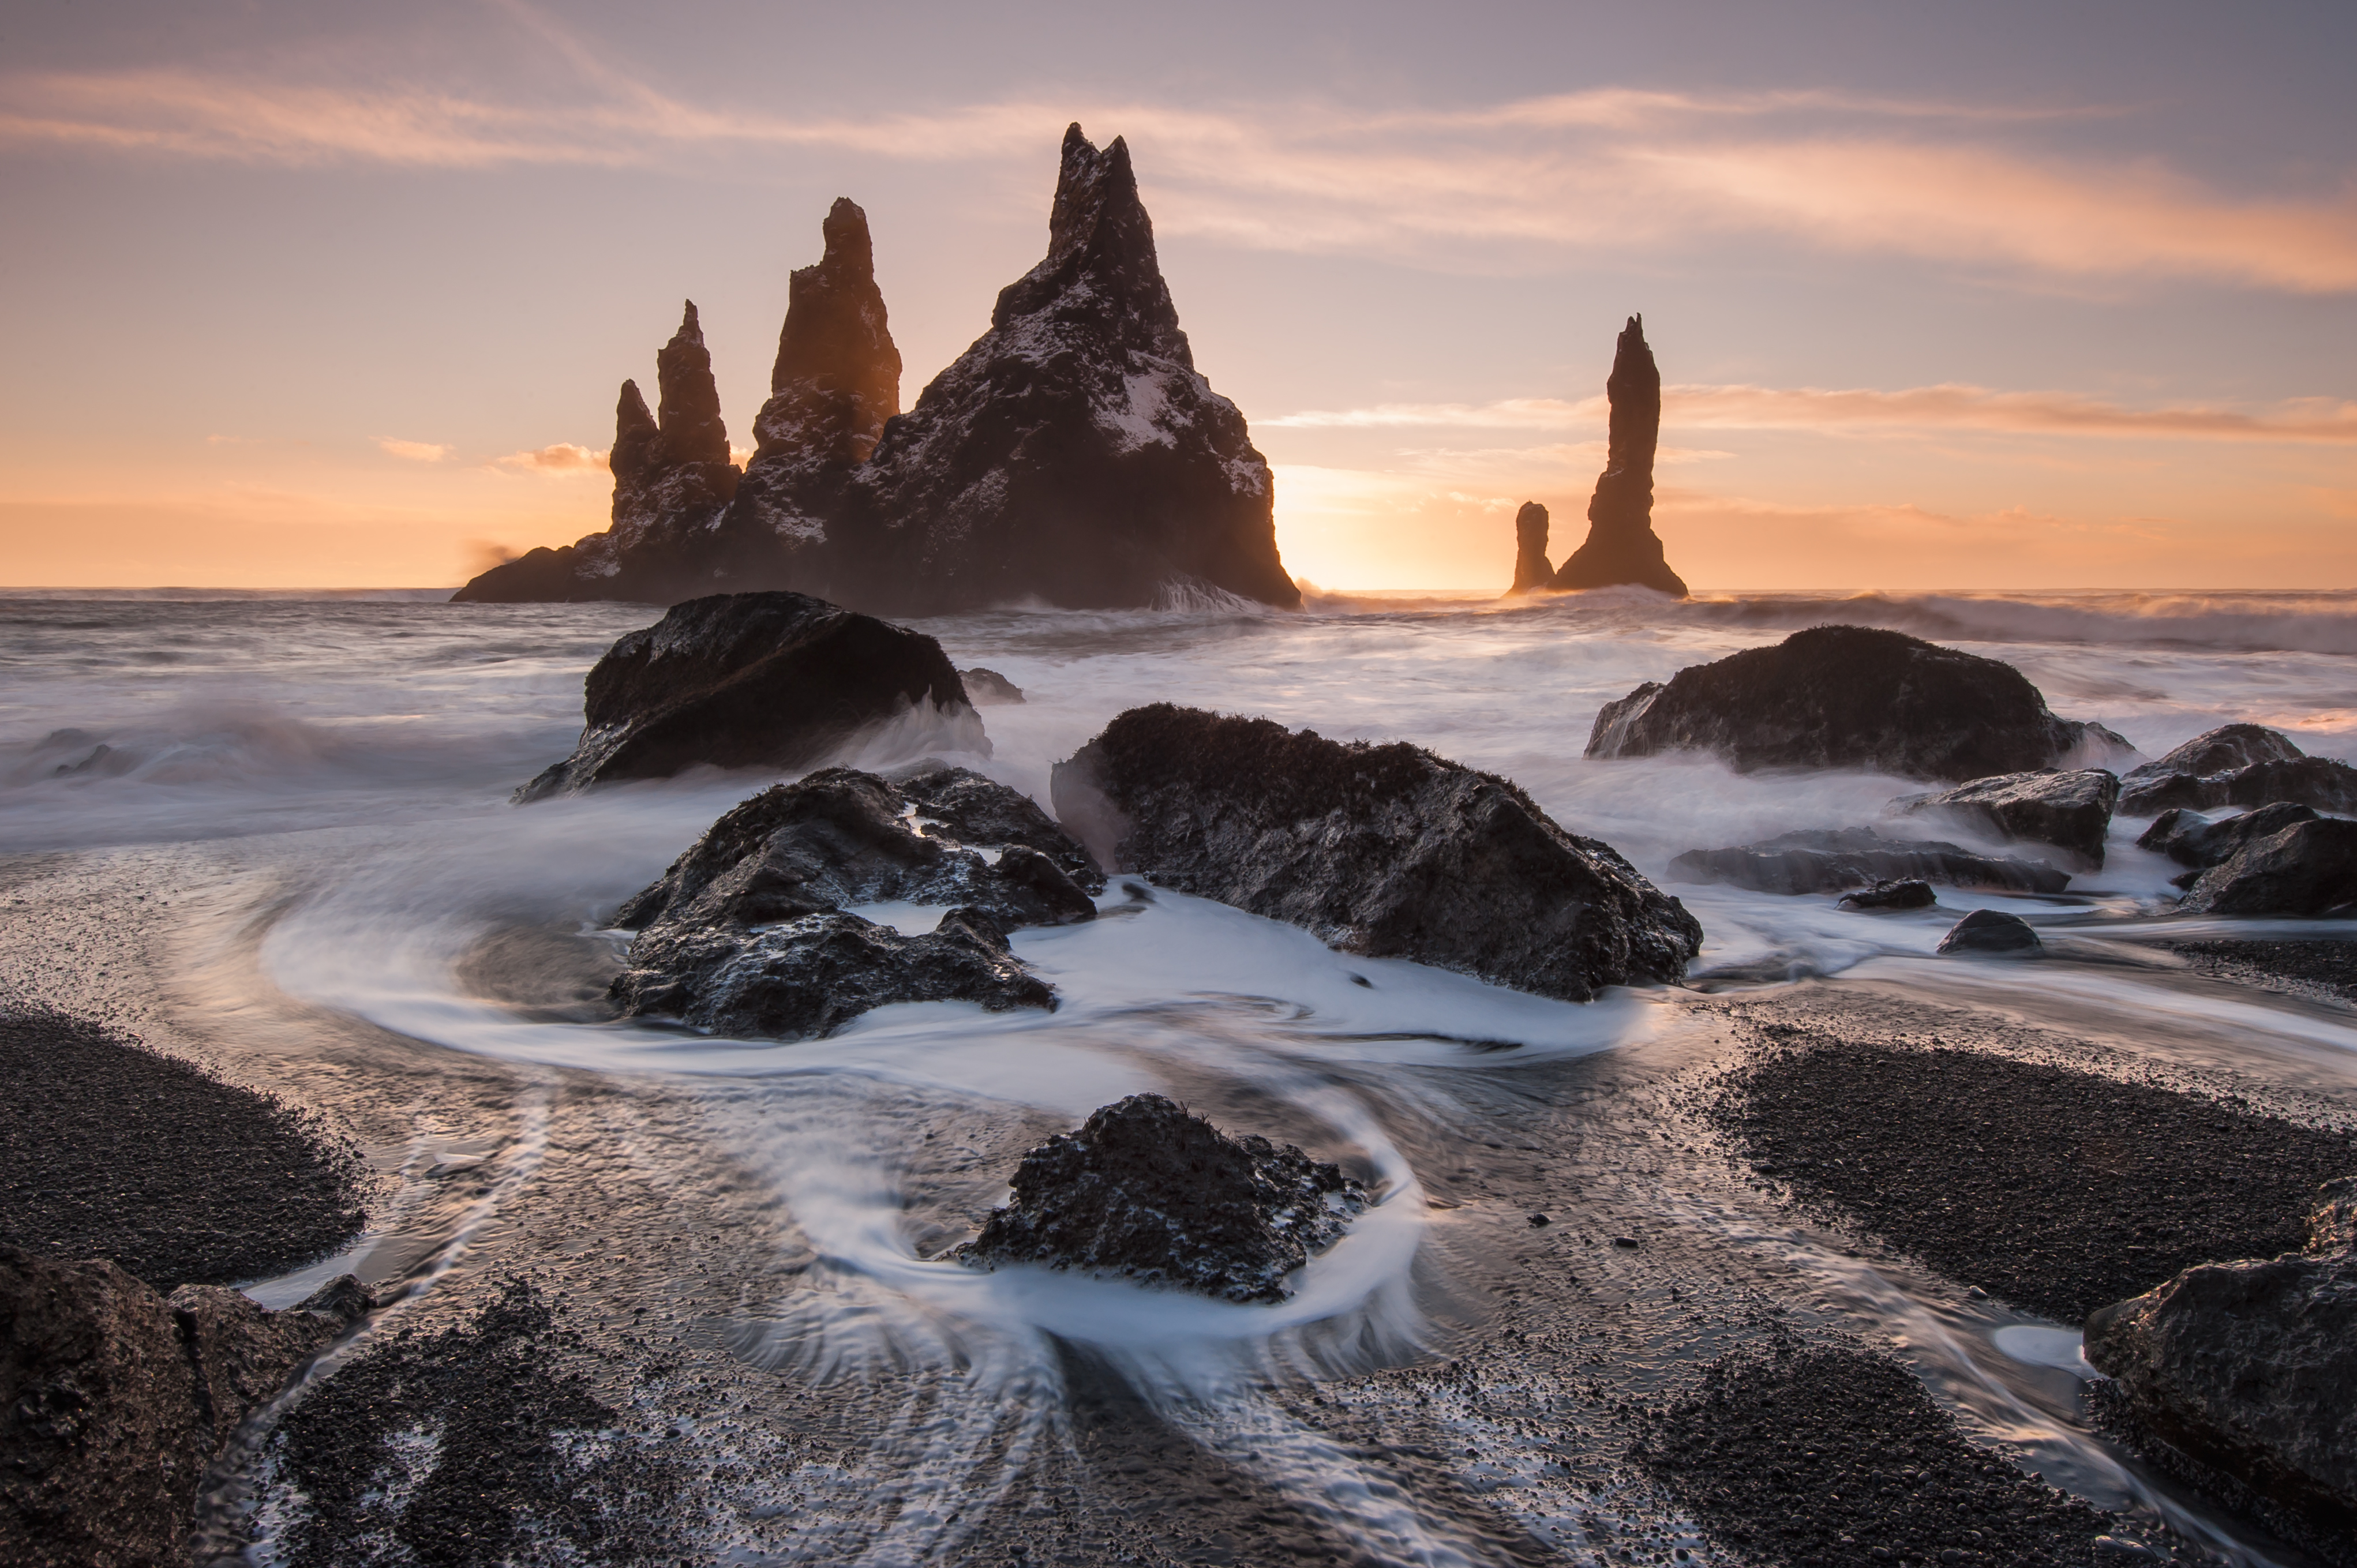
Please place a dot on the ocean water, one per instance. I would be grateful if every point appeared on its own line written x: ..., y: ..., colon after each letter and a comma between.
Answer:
x: 320, y: 787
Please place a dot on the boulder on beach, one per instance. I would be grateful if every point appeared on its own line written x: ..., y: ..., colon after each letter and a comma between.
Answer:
x: 2188, y: 838
x: 113, y: 1400
x: 2247, y: 1373
x: 2071, y: 811
x: 1833, y: 860
x: 1847, y: 696
x: 1889, y: 896
x: 755, y: 930
x: 2238, y: 765
x: 1993, y: 931
x: 1384, y: 849
x: 1148, y: 1191
x: 775, y: 681
x: 1622, y: 547
x: 2305, y: 868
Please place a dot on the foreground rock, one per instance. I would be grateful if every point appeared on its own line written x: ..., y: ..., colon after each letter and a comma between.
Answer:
x: 2192, y: 839
x: 2070, y: 810
x: 1622, y: 547
x: 2238, y: 765
x: 1846, y: 696
x: 113, y: 1400
x: 1148, y: 1191
x: 750, y: 932
x: 2248, y: 1370
x: 1383, y: 850
x: 1994, y: 932
x: 775, y: 681
x: 2305, y: 868
x: 1833, y: 860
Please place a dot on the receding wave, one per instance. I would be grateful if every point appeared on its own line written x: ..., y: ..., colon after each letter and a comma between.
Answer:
x: 2246, y: 622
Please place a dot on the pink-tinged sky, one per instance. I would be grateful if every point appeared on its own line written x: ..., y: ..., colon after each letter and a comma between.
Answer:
x: 2004, y: 296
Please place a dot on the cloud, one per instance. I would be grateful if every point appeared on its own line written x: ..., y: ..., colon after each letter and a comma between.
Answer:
x: 1611, y: 170
x: 413, y: 451
x: 1951, y: 406
x: 563, y: 460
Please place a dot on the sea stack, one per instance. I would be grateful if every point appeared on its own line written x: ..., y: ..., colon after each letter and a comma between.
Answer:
x: 1531, y: 573
x: 1622, y: 547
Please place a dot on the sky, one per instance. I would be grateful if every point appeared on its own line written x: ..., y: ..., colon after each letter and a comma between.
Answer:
x: 2025, y: 296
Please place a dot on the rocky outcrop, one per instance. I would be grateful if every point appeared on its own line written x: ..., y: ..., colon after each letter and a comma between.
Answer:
x: 672, y: 481
x: 754, y: 930
x: 1384, y: 849
x: 2248, y: 1370
x: 1847, y: 696
x: 1622, y: 547
x: 113, y: 1400
x: 2238, y: 765
x: 1885, y: 897
x: 1148, y: 1190
x: 2192, y: 839
x: 2072, y: 810
x: 1833, y: 860
x: 2306, y: 868
x: 989, y: 689
x: 1994, y: 932
x: 1532, y: 571
x: 775, y: 681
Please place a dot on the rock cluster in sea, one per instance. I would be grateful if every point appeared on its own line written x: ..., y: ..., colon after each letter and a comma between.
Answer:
x: 1147, y: 1189
x: 2238, y: 765
x: 1621, y: 547
x: 1072, y: 455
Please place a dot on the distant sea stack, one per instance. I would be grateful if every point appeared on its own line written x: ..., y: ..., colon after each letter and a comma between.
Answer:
x: 1073, y: 456
x: 1531, y: 573
x: 1622, y: 547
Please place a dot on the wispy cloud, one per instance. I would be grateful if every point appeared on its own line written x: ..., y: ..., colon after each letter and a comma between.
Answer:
x: 563, y: 460
x: 413, y: 451
x: 1945, y: 407
x: 1606, y: 170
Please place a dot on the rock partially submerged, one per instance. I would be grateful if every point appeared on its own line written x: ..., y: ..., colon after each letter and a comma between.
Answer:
x: 753, y: 931
x: 1847, y: 696
x: 2238, y: 765
x: 2072, y: 810
x: 1833, y: 860
x: 1147, y: 1189
x: 2248, y: 1370
x: 1622, y: 547
x: 2188, y: 838
x: 777, y: 681
x: 1384, y: 849
x: 2306, y: 868
x: 113, y: 1400
x: 1888, y: 895
x: 1993, y: 931
x: 988, y: 688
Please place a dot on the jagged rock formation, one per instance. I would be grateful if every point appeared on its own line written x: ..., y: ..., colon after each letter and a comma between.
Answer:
x: 2238, y: 765
x: 2072, y: 810
x: 1846, y: 696
x: 2305, y: 868
x: 1835, y: 860
x: 673, y: 482
x: 2192, y: 839
x: 1383, y: 850
x: 1147, y: 1189
x: 1993, y: 931
x: 1532, y: 571
x: 2245, y: 1373
x: 750, y: 680
x: 113, y: 1400
x: 748, y: 931
x: 1073, y: 455
x: 1622, y: 547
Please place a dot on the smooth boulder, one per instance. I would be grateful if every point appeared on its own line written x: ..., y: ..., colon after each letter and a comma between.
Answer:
x: 1148, y: 1190
x: 1384, y: 849
x: 777, y: 681
x: 1992, y: 931
x: 2249, y: 1371
x: 2238, y: 765
x: 1836, y: 859
x: 1847, y: 696
x: 2306, y: 868
x: 2072, y: 811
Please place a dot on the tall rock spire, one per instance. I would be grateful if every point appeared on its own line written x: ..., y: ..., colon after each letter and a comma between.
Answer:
x: 1532, y: 571
x: 837, y: 378
x: 1621, y: 545
x: 689, y: 410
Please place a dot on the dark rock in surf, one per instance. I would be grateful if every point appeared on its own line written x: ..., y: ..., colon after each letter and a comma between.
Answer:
x: 773, y: 680
x: 2192, y: 839
x: 747, y: 932
x: 2229, y: 749
x: 1148, y: 1190
x: 673, y: 479
x: 1835, y: 860
x: 113, y: 1400
x: 1532, y: 571
x: 1888, y: 895
x: 2238, y: 765
x: 2072, y: 810
x: 1622, y: 547
x: 2306, y: 868
x: 1847, y: 696
x: 1993, y: 931
x: 2249, y: 1371
x: 988, y: 688
x: 1384, y: 849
